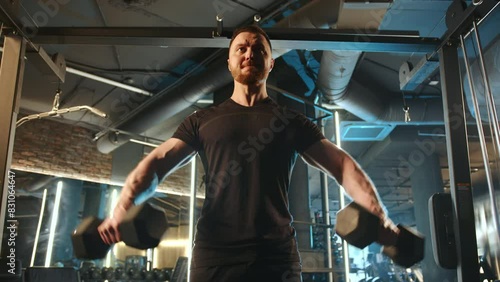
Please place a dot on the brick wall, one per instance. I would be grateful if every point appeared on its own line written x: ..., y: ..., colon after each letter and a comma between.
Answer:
x: 54, y: 148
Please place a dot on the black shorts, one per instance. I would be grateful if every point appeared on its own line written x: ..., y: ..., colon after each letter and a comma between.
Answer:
x: 248, y: 272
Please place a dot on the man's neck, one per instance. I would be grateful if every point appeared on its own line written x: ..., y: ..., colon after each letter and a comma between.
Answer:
x: 249, y: 95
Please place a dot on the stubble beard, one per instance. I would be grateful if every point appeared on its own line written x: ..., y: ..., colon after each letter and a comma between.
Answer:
x: 255, y: 76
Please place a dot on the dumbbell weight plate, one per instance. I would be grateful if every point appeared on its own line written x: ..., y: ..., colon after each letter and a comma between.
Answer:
x: 158, y: 275
x: 120, y: 274
x: 143, y: 226
x: 409, y: 248
x: 108, y: 273
x: 87, y: 243
x: 95, y: 273
x: 134, y: 273
x: 357, y: 226
x: 148, y: 275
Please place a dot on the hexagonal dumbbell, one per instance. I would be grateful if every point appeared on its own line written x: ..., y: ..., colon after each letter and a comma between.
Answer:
x: 142, y: 227
x: 360, y: 228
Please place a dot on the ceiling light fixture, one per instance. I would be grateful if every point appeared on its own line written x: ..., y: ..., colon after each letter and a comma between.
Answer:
x: 108, y: 81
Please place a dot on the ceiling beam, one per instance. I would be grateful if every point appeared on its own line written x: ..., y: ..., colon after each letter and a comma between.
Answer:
x: 203, y: 37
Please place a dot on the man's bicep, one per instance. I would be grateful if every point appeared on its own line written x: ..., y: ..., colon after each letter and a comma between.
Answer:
x: 185, y: 152
x: 171, y: 155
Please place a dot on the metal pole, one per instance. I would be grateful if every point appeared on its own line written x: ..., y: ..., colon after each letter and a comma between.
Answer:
x: 479, y: 21
x: 11, y: 81
x: 345, y: 246
x: 39, y: 226
x: 458, y: 162
x: 326, y: 216
x: 482, y: 141
x: 192, y: 211
x: 149, y: 258
x: 492, y: 113
x: 487, y: 88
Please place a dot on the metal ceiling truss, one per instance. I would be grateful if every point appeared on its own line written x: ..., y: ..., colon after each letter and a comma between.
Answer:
x: 206, y: 37
x: 217, y: 37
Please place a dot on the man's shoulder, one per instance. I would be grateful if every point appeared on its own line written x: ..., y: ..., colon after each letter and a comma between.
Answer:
x: 203, y: 112
x: 286, y: 111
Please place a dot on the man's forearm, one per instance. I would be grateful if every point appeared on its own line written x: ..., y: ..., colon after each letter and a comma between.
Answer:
x: 359, y: 186
x: 138, y: 181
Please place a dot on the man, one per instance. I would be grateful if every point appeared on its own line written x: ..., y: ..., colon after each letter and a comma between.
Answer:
x: 248, y: 145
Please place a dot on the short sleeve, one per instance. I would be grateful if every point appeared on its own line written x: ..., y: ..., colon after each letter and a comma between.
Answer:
x: 307, y: 133
x: 188, y: 131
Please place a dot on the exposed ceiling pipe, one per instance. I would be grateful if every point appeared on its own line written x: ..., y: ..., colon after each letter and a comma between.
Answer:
x: 370, y: 106
x: 316, y: 14
x: 334, y: 81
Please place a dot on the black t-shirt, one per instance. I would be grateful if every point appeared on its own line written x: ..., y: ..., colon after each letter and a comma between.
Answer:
x: 248, y: 154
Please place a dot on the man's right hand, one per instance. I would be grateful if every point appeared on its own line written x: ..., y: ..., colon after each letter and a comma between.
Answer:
x: 108, y: 229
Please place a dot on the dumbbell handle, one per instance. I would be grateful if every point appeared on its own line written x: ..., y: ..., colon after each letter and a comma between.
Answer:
x: 388, y: 234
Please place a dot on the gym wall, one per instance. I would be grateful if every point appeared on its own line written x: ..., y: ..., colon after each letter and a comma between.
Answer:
x: 54, y: 148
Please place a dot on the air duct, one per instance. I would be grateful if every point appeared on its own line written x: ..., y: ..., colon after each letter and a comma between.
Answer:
x: 334, y: 80
x: 316, y: 14
x: 336, y: 70
x: 169, y: 104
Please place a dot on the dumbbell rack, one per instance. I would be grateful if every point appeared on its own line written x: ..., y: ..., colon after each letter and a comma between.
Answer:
x: 120, y: 274
x: 319, y: 244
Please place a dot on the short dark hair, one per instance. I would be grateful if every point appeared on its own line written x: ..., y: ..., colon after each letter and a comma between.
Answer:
x: 252, y: 29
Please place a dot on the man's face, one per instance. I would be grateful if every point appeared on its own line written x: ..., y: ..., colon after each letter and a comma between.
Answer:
x: 250, y: 58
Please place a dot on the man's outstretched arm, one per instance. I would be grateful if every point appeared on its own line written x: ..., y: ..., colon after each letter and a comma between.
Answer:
x: 162, y: 161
